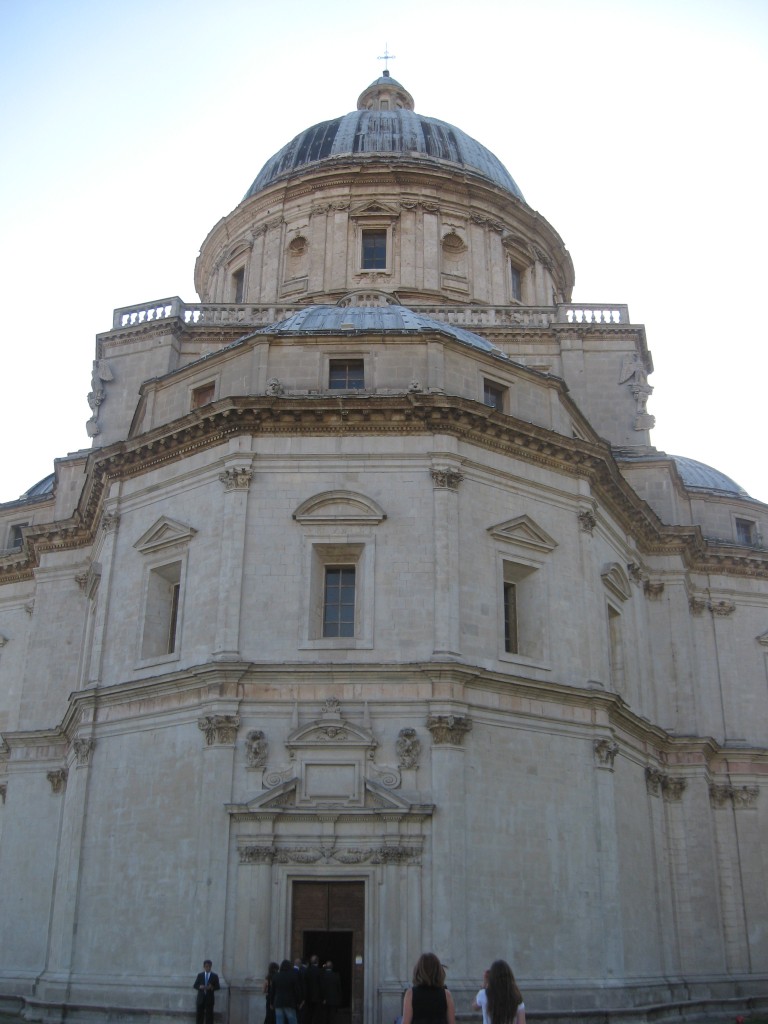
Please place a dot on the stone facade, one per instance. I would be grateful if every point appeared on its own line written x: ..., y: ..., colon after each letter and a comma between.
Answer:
x: 537, y: 731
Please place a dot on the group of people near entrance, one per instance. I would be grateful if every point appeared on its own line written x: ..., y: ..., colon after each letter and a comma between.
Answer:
x: 429, y: 1001
x: 298, y: 993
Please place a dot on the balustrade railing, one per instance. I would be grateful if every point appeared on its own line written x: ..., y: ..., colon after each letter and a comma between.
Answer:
x: 249, y: 315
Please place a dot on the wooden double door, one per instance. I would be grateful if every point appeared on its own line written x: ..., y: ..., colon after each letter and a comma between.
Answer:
x: 329, y: 922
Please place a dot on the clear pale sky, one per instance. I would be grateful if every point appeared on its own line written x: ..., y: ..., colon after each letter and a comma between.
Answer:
x: 636, y: 127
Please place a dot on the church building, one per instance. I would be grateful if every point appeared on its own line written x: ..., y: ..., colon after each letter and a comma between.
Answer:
x: 372, y: 623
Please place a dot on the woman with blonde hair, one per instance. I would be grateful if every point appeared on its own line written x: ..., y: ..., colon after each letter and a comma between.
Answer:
x: 428, y: 1001
x: 505, y: 1003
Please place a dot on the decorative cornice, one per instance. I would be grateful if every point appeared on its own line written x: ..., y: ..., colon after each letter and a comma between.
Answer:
x: 411, y: 413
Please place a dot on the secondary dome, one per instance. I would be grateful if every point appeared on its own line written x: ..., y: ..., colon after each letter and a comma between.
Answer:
x: 702, y: 477
x: 384, y: 123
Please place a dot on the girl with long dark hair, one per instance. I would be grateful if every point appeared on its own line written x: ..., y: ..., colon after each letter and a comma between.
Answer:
x: 505, y: 1003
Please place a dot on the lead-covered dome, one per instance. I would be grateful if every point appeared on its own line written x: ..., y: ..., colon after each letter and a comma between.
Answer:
x: 384, y: 122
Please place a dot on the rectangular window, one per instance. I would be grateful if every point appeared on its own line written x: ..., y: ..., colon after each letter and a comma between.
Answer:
x: 745, y: 531
x: 238, y: 285
x: 515, y: 282
x: 346, y: 374
x: 161, y: 615
x: 493, y: 395
x: 339, y: 601
x: 203, y: 395
x: 15, y: 537
x: 510, y: 618
x: 374, y: 250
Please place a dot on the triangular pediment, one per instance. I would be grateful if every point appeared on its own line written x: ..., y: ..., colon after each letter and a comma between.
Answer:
x: 524, y: 532
x: 284, y: 798
x: 374, y: 209
x: 164, y: 533
x: 339, y: 507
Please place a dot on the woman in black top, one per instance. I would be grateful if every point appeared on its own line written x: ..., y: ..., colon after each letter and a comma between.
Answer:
x: 269, y: 992
x: 428, y: 1001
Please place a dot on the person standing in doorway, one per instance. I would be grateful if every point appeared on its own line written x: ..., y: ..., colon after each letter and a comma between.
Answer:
x: 330, y: 992
x: 206, y: 984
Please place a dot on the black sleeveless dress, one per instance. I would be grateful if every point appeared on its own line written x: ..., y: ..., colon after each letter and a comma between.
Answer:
x: 429, y: 1005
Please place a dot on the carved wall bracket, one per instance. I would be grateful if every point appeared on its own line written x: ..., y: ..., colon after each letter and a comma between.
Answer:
x: 83, y: 749
x: 236, y: 478
x: 219, y: 728
x: 444, y: 476
x: 57, y: 779
x: 727, y: 795
x: 448, y: 729
x: 605, y: 753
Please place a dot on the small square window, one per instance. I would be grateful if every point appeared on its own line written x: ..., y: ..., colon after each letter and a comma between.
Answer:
x: 374, y: 250
x: 238, y: 285
x: 346, y: 374
x: 745, y: 531
x: 339, y: 601
x: 203, y: 395
x: 515, y: 281
x: 493, y: 395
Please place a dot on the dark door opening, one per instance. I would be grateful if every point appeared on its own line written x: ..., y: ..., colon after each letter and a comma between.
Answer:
x: 336, y: 947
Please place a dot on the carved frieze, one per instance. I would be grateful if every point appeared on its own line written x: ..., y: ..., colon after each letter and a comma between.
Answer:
x: 83, y: 749
x: 263, y: 854
x: 219, y: 728
x: 605, y: 753
x: 57, y: 779
x: 256, y: 748
x: 444, y: 476
x: 408, y: 747
x: 448, y: 729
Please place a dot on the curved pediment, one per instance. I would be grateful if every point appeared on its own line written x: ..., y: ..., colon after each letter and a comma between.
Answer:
x: 339, y: 507
x: 616, y: 580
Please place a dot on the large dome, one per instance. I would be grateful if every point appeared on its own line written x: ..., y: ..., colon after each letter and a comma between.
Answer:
x: 384, y: 122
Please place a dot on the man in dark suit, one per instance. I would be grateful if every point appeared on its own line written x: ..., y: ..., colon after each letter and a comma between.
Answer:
x: 206, y: 983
